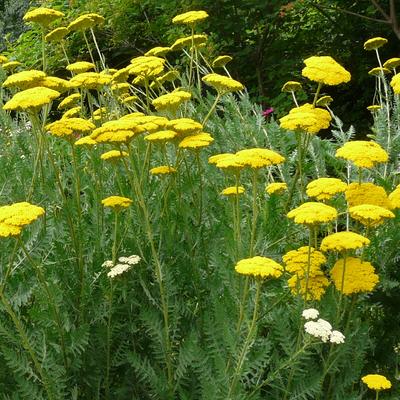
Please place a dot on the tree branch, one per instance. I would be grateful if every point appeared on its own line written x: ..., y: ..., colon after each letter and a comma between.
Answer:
x: 381, y: 10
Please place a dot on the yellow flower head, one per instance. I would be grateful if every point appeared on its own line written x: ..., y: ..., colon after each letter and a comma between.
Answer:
x: 291, y: 86
x: 312, y: 213
x: 113, y: 155
x: 324, y: 101
x: 374, y: 108
x: 325, y: 188
x: 375, y: 43
x: 130, y: 100
x: 43, y: 16
x: 3, y: 59
x: 362, y: 153
x: 196, y: 141
x: 85, y: 22
x: 188, y: 41
x: 158, y: 51
x: 31, y: 99
x: 56, y: 35
x: 395, y: 83
x: 147, y: 66
x: 296, y: 261
x: 217, y: 157
x: 161, y: 136
x: 70, y: 127
x: 80, y: 66
x: 317, y: 285
x: 359, y: 276
x: 233, y: 191
x: 221, y: 61
x: 116, y: 202
x: 276, y: 187
x: 72, y: 113
x: 24, y: 79
x: 394, y: 198
x: 15, y: 216
x: 258, y: 158
x: 223, y: 84
x: 69, y: 101
x: 190, y: 17
x: 342, y: 241
x: 171, y: 101
x: 366, y: 193
x: 162, y: 170
x: 392, y: 63
x: 85, y: 141
x: 55, y: 83
x: 306, y: 118
x: 376, y: 382
x: 324, y: 69
x: 370, y: 215
x: 262, y: 267
x: 11, y: 65
x: 184, y: 126
x: 231, y: 163
x: 378, y: 71
x: 90, y: 80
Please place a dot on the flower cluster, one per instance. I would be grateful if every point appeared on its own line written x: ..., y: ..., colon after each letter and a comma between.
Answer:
x: 322, y: 329
x: 367, y: 193
x: 324, y: 69
x: 31, y: 99
x: 325, y: 188
x: 342, y: 241
x: 222, y: 84
x: 312, y: 213
x: 370, y: 215
x: 258, y: 266
x: 124, y: 264
x: 376, y: 382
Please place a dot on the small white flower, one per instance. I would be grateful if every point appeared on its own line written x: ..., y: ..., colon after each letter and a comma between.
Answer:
x: 310, y: 313
x: 118, y: 270
x: 320, y: 329
x: 107, y: 264
x: 131, y: 260
x: 337, y: 337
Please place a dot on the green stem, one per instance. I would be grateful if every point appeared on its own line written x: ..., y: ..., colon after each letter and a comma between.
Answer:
x: 254, y: 213
x: 211, y: 109
x: 109, y: 334
x: 90, y: 51
x: 317, y: 93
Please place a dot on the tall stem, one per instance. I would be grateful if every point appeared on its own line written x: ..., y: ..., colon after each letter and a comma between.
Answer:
x: 211, y: 109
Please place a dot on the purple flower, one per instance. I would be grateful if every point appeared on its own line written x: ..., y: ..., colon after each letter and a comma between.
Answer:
x: 268, y: 111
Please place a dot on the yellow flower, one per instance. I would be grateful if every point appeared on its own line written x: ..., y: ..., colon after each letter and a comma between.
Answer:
x: 373, y: 108
x: 184, y: 126
x: 374, y: 43
x: 195, y: 40
x: 85, y: 141
x: 69, y: 127
x: 394, y: 198
x: 80, y: 66
x: 121, y: 75
x: 376, y: 382
x: 85, y: 22
x: 119, y: 131
x: 325, y: 188
x: 116, y: 202
x: 24, y: 79
x: 199, y: 140
x: 378, y: 71
x: 316, y: 285
x: 359, y: 276
x: 161, y: 136
x: 158, y: 51
x: 324, y: 69
x: 57, y: 34
x: 262, y: 267
x: 221, y: 61
x: 10, y: 66
x: 90, y: 80
x: 312, y: 213
x: 342, y: 241
x: 190, y: 17
x: 291, y: 86
x: 3, y: 59
x: 392, y: 63
x: 276, y: 187
x: 296, y: 261
x: 113, y: 155
x: 31, y: 99
x: 43, y: 16
x: 259, y: 158
x: 72, y: 113
x: 69, y: 101
x: 306, y: 118
x: 395, y: 83
x: 232, y: 163
x: 130, y: 100
x: 162, y: 170
x: 370, y: 215
x: 52, y: 82
x: 149, y: 123
x: 324, y: 101
x: 15, y: 216
x: 147, y: 66
x: 362, y: 153
x: 366, y: 193
x: 171, y: 101
x: 223, y: 84
x: 233, y: 191
x: 217, y: 157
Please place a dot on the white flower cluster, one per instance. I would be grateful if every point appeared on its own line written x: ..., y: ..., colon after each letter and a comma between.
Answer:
x: 125, y: 263
x: 321, y: 328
